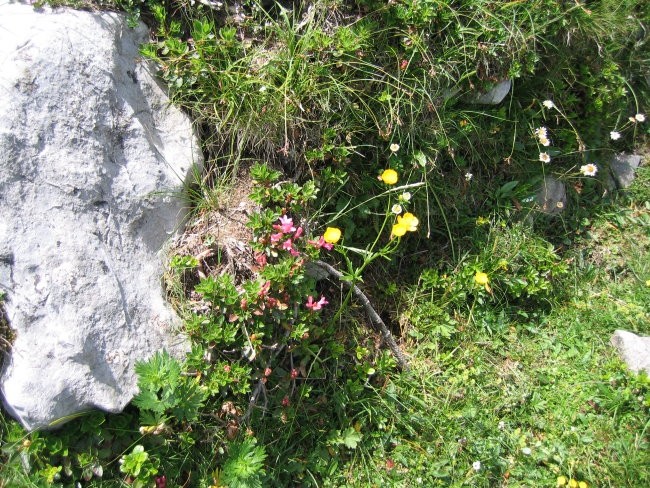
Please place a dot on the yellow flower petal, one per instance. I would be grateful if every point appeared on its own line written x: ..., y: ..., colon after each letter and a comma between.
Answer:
x: 409, y: 220
x: 573, y: 483
x: 583, y: 484
x: 332, y: 235
x: 399, y: 229
x: 481, y: 278
x: 389, y: 176
x: 561, y: 481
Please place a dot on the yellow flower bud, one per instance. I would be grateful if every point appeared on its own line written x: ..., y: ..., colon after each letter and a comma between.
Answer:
x: 332, y: 235
x: 561, y: 481
x: 573, y: 483
x: 481, y: 278
x: 389, y: 176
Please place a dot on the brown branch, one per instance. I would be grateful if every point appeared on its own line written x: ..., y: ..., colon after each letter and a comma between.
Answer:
x: 400, y: 357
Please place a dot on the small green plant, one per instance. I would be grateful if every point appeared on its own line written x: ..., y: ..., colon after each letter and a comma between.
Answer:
x: 165, y: 393
x: 139, y: 468
x: 244, y: 467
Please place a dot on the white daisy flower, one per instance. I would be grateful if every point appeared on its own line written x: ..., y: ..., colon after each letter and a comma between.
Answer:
x: 544, y: 157
x: 548, y: 104
x: 589, y: 169
x: 614, y: 135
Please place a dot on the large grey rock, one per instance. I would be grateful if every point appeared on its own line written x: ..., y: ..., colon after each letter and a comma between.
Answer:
x: 551, y: 197
x: 623, y: 167
x: 633, y: 349
x: 90, y: 155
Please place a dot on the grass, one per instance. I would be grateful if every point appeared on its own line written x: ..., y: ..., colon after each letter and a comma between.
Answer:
x: 531, y: 395
x: 505, y: 312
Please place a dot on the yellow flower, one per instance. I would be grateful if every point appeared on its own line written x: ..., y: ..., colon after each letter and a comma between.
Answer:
x: 332, y: 235
x: 481, y: 278
x: 502, y: 264
x: 573, y: 483
x: 583, y: 484
x: 482, y: 221
x: 399, y: 229
x: 409, y: 221
x: 389, y: 176
x: 561, y: 481
x: 647, y: 282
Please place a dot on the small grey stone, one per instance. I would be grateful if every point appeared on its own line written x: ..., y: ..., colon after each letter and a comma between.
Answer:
x: 551, y: 197
x: 495, y: 95
x: 633, y: 349
x: 623, y: 167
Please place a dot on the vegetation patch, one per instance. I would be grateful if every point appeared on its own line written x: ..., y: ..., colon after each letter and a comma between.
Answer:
x: 375, y: 292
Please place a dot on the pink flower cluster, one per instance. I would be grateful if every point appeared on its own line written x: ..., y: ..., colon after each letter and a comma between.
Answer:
x: 284, y: 228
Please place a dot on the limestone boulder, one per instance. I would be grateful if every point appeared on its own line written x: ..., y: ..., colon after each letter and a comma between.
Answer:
x: 92, y: 161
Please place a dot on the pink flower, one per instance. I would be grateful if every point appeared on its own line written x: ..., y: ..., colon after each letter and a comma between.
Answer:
x: 265, y: 289
x: 321, y: 243
x: 260, y: 258
x: 315, y: 305
x: 288, y: 246
x: 285, y: 225
x: 276, y: 237
x: 298, y: 233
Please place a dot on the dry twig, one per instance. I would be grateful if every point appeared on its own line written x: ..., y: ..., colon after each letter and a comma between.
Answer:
x: 400, y: 357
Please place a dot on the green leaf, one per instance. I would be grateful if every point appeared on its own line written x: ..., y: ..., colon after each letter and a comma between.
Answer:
x: 420, y: 158
x: 350, y: 438
x: 148, y: 400
x: 160, y: 371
